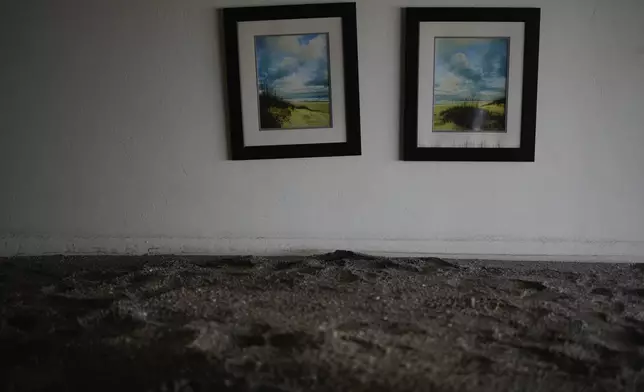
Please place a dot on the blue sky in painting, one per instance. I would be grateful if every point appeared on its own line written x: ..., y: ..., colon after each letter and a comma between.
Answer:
x: 295, y: 66
x: 470, y: 68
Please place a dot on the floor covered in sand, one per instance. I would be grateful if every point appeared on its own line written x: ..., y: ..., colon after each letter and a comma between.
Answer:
x: 334, y: 322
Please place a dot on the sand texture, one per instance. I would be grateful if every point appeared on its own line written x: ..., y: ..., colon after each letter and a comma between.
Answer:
x: 333, y: 322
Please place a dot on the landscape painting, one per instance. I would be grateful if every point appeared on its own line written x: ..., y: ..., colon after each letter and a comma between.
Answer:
x: 470, y: 84
x: 293, y: 81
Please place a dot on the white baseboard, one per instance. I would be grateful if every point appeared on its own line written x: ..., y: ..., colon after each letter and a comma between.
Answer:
x: 502, y: 248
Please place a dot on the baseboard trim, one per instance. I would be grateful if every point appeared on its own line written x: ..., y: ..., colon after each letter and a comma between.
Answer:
x: 490, y: 247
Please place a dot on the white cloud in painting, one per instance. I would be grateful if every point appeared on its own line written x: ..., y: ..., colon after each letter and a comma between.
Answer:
x: 451, y: 84
x: 459, y: 61
x: 294, y: 82
x: 470, y: 69
x: 294, y: 64
x: 288, y: 63
x: 312, y: 49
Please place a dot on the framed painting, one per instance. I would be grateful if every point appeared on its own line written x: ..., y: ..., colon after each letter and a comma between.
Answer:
x: 470, y: 84
x: 292, y: 74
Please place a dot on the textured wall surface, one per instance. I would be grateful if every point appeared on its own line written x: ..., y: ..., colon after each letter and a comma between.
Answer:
x: 112, y: 140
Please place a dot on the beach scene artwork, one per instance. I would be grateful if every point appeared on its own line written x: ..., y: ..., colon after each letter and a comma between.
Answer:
x: 293, y: 81
x: 470, y: 84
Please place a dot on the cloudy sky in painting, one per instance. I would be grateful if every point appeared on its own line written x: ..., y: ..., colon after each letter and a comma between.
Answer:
x: 295, y: 66
x: 470, y: 68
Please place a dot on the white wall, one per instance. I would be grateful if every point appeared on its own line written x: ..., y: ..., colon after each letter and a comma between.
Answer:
x: 112, y: 140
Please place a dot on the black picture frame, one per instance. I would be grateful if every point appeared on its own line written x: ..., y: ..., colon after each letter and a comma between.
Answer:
x: 230, y: 18
x: 412, y: 17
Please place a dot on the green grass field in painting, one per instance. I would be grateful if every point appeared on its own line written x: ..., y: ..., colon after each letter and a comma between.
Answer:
x: 280, y: 114
x: 309, y: 115
x: 461, y: 116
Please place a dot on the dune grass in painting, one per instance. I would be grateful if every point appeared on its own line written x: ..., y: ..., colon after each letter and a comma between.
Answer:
x: 470, y: 115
